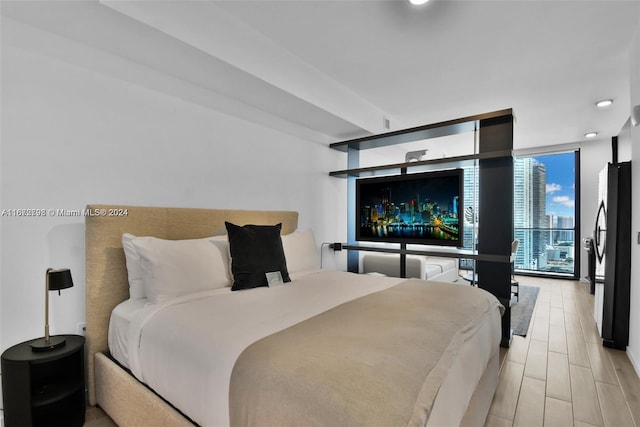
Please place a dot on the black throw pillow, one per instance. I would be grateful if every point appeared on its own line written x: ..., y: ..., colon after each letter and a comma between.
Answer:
x: 255, y: 251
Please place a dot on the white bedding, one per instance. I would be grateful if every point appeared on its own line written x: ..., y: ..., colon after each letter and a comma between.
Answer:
x: 192, y: 370
x: 119, y: 323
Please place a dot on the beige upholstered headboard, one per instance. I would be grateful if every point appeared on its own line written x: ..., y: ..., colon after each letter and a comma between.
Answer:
x: 106, y: 271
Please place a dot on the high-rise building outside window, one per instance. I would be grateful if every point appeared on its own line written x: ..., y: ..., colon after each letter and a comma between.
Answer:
x: 544, y: 214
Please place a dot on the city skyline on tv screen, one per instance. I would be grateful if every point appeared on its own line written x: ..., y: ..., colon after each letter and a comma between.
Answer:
x: 416, y: 208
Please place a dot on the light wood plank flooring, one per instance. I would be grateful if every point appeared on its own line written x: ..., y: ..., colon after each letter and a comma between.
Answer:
x: 96, y: 417
x: 560, y: 374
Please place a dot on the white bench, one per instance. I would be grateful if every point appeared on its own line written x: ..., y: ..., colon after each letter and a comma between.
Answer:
x: 418, y: 266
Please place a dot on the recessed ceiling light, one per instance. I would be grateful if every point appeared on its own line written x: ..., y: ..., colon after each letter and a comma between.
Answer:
x: 604, y: 103
x: 418, y: 2
x: 591, y: 134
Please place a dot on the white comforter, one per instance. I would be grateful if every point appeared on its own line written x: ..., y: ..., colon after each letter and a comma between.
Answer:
x: 186, y: 348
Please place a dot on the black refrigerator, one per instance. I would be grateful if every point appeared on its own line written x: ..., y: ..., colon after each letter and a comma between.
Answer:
x: 613, y: 244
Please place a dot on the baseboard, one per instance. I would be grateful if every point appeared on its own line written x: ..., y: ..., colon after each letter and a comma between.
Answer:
x: 634, y: 361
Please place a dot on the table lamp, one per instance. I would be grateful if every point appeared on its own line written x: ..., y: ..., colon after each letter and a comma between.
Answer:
x: 55, y: 280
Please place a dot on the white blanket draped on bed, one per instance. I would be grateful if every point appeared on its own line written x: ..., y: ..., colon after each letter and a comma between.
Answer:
x: 185, y: 349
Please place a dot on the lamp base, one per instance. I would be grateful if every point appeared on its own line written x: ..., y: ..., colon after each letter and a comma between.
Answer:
x: 42, y: 345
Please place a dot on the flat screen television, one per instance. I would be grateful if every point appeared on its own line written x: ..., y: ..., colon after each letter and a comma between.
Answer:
x: 418, y: 208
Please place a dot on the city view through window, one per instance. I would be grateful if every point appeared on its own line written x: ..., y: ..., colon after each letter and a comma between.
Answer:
x: 543, y: 213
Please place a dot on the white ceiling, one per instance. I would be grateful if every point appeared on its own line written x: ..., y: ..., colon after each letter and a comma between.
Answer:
x: 330, y: 70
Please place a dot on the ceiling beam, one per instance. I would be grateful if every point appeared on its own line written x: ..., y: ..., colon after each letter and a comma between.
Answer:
x: 210, y: 29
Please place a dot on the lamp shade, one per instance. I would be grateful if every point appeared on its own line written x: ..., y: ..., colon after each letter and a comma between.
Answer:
x: 59, y: 279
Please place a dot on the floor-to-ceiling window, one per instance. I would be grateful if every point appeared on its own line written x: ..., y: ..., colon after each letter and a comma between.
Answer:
x: 545, y: 214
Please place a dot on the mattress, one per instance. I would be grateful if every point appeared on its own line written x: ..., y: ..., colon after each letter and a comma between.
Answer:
x: 120, y: 320
x: 193, y: 371
x: 119, y: 323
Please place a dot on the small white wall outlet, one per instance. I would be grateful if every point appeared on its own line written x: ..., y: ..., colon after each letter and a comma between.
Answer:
x: 81, y: 329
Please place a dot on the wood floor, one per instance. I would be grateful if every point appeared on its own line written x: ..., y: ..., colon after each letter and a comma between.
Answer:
x: 95, y: 417
x: 559, y: 375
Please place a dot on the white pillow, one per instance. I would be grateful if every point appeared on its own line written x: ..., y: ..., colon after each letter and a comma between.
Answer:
x: 134, y: 270
x: 300, y: 251
x: 169, y: 268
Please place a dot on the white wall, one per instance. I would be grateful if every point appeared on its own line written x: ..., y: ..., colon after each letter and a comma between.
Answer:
x: 73, y: 136
x: 633, y: 349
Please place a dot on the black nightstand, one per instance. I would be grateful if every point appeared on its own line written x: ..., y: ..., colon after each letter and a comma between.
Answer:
x: 44, y: 388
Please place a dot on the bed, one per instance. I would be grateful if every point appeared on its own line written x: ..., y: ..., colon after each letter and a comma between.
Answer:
x: 328, y: 348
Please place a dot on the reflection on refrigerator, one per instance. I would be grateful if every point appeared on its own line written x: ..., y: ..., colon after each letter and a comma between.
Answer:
x: 612, y: 243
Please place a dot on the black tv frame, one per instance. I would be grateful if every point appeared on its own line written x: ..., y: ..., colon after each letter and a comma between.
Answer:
x: 412, y: 179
